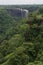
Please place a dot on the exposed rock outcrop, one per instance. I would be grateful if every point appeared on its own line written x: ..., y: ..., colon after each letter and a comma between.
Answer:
x: 17, y: 12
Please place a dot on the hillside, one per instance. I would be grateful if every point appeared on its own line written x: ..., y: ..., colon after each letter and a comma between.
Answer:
x: 21, y: 40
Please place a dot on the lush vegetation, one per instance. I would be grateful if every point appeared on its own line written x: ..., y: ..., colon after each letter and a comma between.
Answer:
x: 21, y: 40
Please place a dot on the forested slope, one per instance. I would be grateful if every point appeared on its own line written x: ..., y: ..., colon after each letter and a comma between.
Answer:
x: 21, y: 42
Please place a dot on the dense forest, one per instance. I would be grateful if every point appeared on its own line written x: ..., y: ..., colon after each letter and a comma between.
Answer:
x: 21, y: 39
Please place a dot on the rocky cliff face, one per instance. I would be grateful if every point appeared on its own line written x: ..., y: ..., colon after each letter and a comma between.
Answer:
x: 17, y: 12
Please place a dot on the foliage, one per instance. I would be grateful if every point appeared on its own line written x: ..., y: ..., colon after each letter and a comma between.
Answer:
x: 21, y: 41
